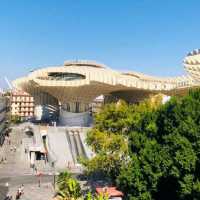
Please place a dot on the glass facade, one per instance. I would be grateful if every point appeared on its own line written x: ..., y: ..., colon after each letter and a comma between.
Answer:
x: 62, y: 76
x: 75, y: 107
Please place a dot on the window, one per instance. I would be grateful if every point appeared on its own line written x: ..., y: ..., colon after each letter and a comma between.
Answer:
x: 59, y: 76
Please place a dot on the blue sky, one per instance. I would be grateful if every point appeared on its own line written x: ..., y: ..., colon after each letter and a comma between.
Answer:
x: 149, y: 36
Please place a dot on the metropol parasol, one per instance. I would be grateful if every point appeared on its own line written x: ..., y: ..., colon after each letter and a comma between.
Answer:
x: 77, y: 83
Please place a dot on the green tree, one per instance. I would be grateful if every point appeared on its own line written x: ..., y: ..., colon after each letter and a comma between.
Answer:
x: 88, y: 196
x: 68, y: 187
x: 166, y: 147
x: 151, y: 151
x: 114, y: 118
x: 111, y: 151
x: 15, y: 119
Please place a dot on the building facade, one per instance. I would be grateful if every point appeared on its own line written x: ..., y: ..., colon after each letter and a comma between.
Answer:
x: 22, y: 105
x: 3, y: 117
x: 76, y: 84
x: 97, y: 104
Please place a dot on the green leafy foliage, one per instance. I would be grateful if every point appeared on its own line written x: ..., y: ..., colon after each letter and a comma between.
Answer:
x: 150, y: 150
x: 68, y: 187
x: 15, y: 119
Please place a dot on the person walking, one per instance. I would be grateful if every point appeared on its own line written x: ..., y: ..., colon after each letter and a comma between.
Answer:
x: 22, y: 189
x: 39, y: 182
x: 17, y: 195
x: 35, y: 170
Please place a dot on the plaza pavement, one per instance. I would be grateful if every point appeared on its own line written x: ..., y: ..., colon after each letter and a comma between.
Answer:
x: 16, y: 171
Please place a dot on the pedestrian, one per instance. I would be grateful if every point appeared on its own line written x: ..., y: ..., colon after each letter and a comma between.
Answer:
x: 22, y: 188
x: 68, y: 165
x: 7, y: 197
x: 17, y: 195
x: 39, y: 182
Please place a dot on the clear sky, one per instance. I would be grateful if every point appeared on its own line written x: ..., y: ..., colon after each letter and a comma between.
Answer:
x: 149, y: 36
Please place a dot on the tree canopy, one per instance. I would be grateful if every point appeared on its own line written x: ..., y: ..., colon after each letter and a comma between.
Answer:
x: 150, y: 150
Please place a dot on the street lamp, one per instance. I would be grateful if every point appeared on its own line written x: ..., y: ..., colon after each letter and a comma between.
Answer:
x: 54, y: 178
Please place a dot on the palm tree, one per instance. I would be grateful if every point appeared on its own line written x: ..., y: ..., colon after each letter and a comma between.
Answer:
x: 68, y: 187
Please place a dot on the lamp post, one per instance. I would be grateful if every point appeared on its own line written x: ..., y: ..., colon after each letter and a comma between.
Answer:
x: 54, y: 178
